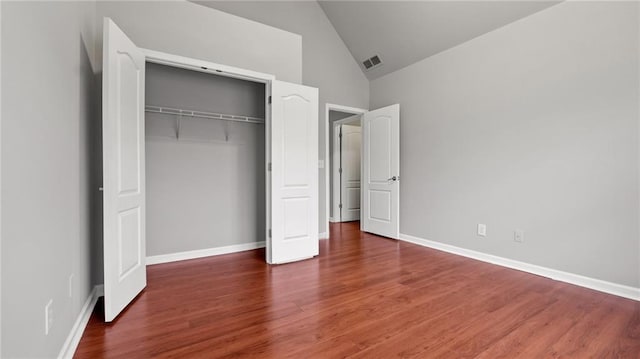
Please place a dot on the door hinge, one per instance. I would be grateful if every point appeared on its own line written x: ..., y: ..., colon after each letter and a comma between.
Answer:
x: 339, y: 170
x: 269, y: 232
x: 340, y: 206
x: 269, y: 166
x: 269, y: 100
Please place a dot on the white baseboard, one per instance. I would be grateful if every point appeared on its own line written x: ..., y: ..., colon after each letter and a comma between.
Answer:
x: 200, y: 253
x: 582, y: 281
x: 73, y: 339
x: 323, y: 235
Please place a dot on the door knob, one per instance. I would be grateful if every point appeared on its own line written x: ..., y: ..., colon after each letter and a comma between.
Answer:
x: 394, y: 178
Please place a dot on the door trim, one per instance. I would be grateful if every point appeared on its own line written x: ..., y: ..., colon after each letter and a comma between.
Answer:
x: 335, y: 158
x: 213, y: 68
x: 335, y: 175
x: 327, y: 155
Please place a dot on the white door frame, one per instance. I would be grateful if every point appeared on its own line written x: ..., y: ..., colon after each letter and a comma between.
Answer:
x: 188, y: 63
x: 332, y: 107
x: 0, y: 190
x: 335, y: 158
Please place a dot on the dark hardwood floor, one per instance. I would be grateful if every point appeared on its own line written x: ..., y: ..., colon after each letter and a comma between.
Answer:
x: 363, y: 297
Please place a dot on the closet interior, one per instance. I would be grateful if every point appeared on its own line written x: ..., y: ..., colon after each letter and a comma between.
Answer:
x: 205, y: 160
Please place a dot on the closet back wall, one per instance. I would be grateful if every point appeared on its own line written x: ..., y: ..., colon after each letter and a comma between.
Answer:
x: 207, y: 188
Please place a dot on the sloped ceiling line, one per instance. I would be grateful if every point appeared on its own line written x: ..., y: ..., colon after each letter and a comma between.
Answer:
x: 405, y: 32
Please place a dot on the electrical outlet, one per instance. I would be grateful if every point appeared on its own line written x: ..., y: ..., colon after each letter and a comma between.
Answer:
x: 71, y: 285
x: 518, y: 236
x: 482, y: 230
x: 48, y: 317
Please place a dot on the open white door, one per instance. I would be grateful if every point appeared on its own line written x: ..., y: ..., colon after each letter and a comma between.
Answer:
x: 381, y: 172
x: 294, y: 173
x: 123, y: 170
x: 350, y: 174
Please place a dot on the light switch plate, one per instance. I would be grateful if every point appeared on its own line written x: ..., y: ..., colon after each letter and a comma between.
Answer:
x: 518, y: 236
x: 482, y: 229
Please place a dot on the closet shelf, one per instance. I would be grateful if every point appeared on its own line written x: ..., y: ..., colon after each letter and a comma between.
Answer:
x: 202, y: 114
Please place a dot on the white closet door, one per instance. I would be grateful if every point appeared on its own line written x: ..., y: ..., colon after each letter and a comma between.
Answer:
x: 123, y: 170
x: 350, y: 175
x: 381, y: 172
x: 294, y: 173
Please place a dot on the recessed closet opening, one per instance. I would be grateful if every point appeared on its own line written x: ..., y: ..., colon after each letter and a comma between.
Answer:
x: 205, y: 163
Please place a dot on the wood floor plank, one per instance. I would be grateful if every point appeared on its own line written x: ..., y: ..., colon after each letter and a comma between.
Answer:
x: 363, y: 297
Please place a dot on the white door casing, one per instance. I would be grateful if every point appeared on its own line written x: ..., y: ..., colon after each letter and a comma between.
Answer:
x: 350, y: 176
x: 123, y: 170
x: 381, y: 172
x: 330, y: 175
x: 294, y: 173
x: 335, y: 174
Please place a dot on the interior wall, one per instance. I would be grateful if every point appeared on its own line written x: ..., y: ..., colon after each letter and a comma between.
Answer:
x: 48, y: 131
x: 207, y: 188
x: 326, y: 62
x: 533, y: 126
x: 186, y: 29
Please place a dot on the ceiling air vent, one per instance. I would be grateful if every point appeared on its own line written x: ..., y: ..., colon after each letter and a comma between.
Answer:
x: 372, y: 62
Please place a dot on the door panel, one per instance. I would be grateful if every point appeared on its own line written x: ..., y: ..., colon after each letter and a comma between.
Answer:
x: 128, y: 247
x: 128, y: 122
x: 381, y: 164
x: 350, y: 176
x: 379, y: 148
x: 380, y: 204
x: 123, y: 170
x: 294, y: 173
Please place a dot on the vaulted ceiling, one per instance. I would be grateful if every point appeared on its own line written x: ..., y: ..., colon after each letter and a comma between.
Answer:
x: 404, y: 32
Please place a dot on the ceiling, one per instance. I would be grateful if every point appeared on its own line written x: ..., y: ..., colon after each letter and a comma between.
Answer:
x: 404, y: 32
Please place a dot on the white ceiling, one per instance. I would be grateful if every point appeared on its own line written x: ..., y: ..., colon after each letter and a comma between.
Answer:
x: 404, y: 32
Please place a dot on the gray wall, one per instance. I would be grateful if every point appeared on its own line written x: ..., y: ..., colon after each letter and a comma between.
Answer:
x: 48, y: 137
x: 326, y: 62
x: 533, y: 126
x: 186, y: 29
x: 203, y: 190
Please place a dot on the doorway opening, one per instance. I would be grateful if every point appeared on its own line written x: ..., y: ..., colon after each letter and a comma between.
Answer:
x: 333, y: 114
x: 205, y: 158
x: 379, y: 204
x: 346, y: 169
